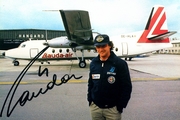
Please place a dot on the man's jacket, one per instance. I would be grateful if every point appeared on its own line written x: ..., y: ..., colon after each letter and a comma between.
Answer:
x: 109, y: 83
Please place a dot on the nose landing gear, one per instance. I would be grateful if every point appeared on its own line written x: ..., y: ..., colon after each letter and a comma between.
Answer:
x: 16, y: 63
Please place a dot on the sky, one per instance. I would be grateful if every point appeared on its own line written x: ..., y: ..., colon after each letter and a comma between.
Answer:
x: 110, y: 17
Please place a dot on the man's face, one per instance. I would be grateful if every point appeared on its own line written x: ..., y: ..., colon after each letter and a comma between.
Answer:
x: 103, y: 50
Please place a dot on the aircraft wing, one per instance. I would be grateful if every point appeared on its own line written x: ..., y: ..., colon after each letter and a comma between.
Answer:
x: 78, y: 27
x: 162, y: 36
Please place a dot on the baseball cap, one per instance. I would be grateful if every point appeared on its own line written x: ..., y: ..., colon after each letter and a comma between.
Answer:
x: 101, y: 39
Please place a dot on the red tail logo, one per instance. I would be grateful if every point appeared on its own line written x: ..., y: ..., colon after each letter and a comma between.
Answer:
x: 156, y: 25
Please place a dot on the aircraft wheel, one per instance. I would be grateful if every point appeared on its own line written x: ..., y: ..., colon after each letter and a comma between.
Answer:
x: 130, y: 58
x: 82, y: 64
x: 16, y: 63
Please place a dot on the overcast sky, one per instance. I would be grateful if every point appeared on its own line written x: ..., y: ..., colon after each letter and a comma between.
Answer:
x: 107, y: 16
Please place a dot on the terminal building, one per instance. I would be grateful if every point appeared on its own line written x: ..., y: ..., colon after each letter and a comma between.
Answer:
x: 13, y: 37
x: 176, y: 47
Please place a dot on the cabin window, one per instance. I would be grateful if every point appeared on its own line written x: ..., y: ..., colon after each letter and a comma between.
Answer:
x: 60, y: 50
x: 67, y: 50
x: 53, y: 50
x: 122, y: 36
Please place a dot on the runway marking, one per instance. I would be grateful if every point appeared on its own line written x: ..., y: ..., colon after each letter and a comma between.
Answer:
x: 85, y: 81
x: 10, y: 83
x: 154, y: 79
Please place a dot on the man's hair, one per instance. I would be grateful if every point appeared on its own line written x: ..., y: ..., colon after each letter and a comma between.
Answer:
x: 111, y: 44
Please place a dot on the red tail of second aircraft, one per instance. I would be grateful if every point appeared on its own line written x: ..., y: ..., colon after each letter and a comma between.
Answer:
x: 156, y: 30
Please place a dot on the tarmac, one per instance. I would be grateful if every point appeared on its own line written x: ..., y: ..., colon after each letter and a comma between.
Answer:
x: 155, y: 79
x: 156, y: 67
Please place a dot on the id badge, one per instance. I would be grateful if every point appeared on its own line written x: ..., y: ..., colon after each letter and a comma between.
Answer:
x: 95, y: 76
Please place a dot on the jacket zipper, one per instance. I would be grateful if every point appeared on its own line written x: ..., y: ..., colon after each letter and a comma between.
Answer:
x: 101, y: 78
x: 102, y: 64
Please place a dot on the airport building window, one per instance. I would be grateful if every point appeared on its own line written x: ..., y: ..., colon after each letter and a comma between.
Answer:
x: 23, y: 35
x: 20, y: 35
x: 31, y: 36
x: 38, y: 36
x: 34, y: 36
x: 27, y: 35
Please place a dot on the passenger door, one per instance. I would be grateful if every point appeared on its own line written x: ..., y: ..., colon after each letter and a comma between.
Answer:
x: 124, y: 48
x: 33, y: 52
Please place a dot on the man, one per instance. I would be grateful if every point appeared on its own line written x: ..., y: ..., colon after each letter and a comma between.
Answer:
x: 109, y: 84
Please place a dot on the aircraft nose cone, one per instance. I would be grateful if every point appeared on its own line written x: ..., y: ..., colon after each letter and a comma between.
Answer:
x: 3, y: 54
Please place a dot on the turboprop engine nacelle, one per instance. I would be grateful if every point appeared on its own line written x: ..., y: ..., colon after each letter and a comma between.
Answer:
x: 59, y: 42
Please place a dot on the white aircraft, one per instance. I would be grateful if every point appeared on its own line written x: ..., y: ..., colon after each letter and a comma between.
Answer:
x: 79, y: 40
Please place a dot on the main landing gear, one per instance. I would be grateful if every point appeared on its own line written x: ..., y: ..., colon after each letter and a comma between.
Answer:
x: 130, y: 58
x: 82, y: 62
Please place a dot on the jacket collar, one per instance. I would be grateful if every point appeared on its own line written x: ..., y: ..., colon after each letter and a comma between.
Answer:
x: 111, y: 57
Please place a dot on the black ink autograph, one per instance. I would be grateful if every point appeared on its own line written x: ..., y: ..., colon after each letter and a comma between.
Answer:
x: 26, y: 96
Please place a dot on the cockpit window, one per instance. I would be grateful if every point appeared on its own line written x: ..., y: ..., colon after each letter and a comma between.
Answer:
x: 23, y: 45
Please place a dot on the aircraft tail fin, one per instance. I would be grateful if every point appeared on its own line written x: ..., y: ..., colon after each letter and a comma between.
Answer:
x: 156, y: 30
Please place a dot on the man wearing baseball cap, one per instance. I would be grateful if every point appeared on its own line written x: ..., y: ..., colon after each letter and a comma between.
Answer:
x: 109, y: 84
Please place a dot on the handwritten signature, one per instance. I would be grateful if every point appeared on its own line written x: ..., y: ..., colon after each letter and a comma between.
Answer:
x: 26, y: 95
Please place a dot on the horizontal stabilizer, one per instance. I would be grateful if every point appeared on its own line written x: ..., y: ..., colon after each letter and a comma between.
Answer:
x: 162, y: 36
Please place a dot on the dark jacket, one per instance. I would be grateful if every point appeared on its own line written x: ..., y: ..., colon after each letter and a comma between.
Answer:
x: 109, y: 83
